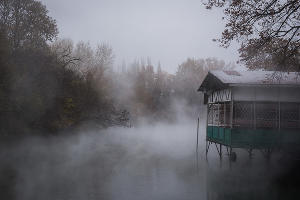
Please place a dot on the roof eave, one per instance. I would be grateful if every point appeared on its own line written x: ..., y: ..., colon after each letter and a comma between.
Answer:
x: 205, y: 86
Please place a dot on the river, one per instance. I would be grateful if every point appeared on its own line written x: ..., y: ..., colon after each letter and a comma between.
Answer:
x: 147, y: 162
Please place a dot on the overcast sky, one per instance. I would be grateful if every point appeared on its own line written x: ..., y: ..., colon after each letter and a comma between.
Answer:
x: 168, y: 31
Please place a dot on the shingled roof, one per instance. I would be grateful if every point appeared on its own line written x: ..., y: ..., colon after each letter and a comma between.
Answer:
x: 218, y: 79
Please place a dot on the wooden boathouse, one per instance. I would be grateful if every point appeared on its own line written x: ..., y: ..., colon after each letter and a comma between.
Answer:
x: 252, y: 110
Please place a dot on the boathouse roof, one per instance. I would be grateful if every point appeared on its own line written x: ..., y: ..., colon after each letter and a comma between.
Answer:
x: 219, y: 79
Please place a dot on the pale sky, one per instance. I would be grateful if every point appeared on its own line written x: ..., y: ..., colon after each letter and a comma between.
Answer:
x: 168, y: 31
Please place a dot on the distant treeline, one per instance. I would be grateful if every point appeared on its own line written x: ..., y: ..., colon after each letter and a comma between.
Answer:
x: 48, y: 85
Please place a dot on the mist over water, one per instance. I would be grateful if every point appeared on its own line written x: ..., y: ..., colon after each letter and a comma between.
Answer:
x: 82, y: 119
x: 150, y: 161
x: 147, y: 162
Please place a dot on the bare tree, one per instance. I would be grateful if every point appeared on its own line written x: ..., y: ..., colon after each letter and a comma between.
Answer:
x: 268, y: 31
x: 104, y: 56
x: 63, y: 50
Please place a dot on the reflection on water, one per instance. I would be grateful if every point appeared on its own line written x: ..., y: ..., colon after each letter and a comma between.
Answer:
x: 156, y: 162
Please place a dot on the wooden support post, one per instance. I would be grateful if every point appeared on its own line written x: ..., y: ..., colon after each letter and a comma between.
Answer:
x: 197, y: 144
x: 250, y: 153
x: 227, y: 150
x: 197, y: 135
x: 220, y: 151
x: 230, y: 158
x: 207, y: 146
x: 206, y: 149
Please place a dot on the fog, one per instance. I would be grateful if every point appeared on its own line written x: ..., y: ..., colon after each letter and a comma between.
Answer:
x: 168, y: 31
x: 149, y: 161
x: 144, y: 162
x: 91, y: 113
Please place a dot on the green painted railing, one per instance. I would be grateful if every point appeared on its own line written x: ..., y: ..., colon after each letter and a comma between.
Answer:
x: 252, y: 138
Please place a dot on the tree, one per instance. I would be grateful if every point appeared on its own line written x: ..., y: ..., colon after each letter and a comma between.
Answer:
x: 26, y: 23
x: 50, y: 87
x: 190, y: 73
x: 63, y: 50
x: 268, y: 31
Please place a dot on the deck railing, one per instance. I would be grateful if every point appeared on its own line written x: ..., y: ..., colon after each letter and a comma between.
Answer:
x: 256, y: 115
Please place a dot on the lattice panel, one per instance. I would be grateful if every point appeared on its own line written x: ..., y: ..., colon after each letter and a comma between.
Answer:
x: 216, y: 114
x: 290, y: 115
x: 243, y: 114
x: 210, y: 115
x: 267, y: 115
x: 219, y: 114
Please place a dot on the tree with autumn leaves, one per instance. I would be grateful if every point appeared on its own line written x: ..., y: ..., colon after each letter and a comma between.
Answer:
x: 268, y: 31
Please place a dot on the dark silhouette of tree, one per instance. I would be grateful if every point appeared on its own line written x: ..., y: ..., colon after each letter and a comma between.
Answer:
x: 267, y: 29
x: 47, y: 88
x: 27, y: 23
